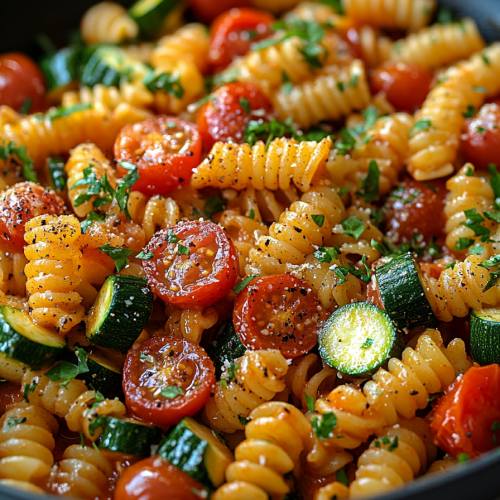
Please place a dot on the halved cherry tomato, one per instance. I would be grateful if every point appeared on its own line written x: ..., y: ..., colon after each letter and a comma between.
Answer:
x: 194, y: 265
x: 233, y: 33
x: 20, y: 80
x: 165, y: 150
x: 226, y: 116
x: 208, y: 10
x: 467, y: 417
x: 279, y: 312
x: 156, y: 479
x: 406, y: 85
x: 19, y: 204
x: 481, y: 141
x: 167, y: 378
x: 415, y: 208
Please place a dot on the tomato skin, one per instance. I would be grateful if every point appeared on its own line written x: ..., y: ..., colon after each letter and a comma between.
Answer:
x: 281, y: 299
x: 21, y: 79
x: 481, y: 140
x: 230, y: 34
x: 213, y: 270
x: 19, y: 204
x: 464, y: 416
x: 208, y: 10
x: 151, y: 479
x: 405, y: 85
x: 186, y: 366
x: 415, y: 208
x: 224, y: 118
x: 162, y: 161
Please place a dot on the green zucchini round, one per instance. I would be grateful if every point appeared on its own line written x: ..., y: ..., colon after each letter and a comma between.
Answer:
x: 485, y: 336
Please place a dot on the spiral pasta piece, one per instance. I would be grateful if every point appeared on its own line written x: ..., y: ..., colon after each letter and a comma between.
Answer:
x: 298, y: 233
x: 433, y: 149
x: 26, y: 446
x: 275, y: 438
x: 257, y: 379
x: 401, y: 14
x: 329, y: 96
x: 159, y: 213
x: 439, y: 45
x: 52, y: 280
x: 465, y: 192
x: 12, y: 277
x: 190, y: 323
x: 239, y: 166
x: 108, y: 22
x: 44, y: 138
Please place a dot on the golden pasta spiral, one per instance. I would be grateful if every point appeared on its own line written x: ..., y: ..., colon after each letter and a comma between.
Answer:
x: 239, y: 166
x: 434, y: 148
x: 12, y: 277
x: 275, y: 438
x: 257, y: 379
x: 190, y: 323
x: 26, y: 446
x: 439, y: 45
x: 333, y: 94
x: 52, y: 272
x: 464, y: 193
x: 298, y: 233
x: 401, y: 14
x: 159, y: 213
x: 108, y: 22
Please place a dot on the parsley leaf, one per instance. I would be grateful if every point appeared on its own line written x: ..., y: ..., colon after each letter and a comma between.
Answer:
x: 474, y: 222
x: 309, y: 402
x: 144, y: 256
x: 171, y: 392
x: 394, y: 444
x: 213, y: 205
x: 464, y: 243
x: 251, y: 214
x: 125, y: 185
x: 341, y: 477
x: 25, y: 108
x: 323, y: 425
x: 318, y: 219
x: 267, y: 131
x: 18, y: 156
x: 477, y: 249
x: 244, y: 283
x: 97, y: 423
x: 182, y: 250
x: 451, y: 265
x: 495, y: 184
x: 244, y: 420
x: 65, y: 111
x: 327, y: 254
x: 353, y: 226
x: 231, y: 372
x: 66, y: 372
x: 245, y: 105
x: 369, y: 188
x: 470, y: 112
x: 463, y: 457
x: 119, y: 255
x: 171, y: 237
x: 12, y: 422
x: 420, y: 126
x: 92, y: 217
x: 28, y: 389
x: 167, y: 83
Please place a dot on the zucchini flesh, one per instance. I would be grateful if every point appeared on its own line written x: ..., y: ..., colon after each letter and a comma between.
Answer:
x: 485, y: 336
x: 225, y: 348
x: 194, y: 449
x: 23, y: 341
x: 358, y: 339
x: 120, y: 312
x: 128, y: 436
x: 402, y: 293
x: 150, y: 14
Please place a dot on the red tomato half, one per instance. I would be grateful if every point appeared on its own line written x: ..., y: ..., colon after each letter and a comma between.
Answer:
x: 279, y: 312
x: 233, y: 33
x: 208, y: 10
x: 195, y: 264
x: 21, y: 79
x: 165, y: 150
x: 467, y: 417
x: 405, y: 85
x: 156, y: 479
x: 226, y: 116
x: 167, y: 378
x: 481, y: 141
x: 18, y: 205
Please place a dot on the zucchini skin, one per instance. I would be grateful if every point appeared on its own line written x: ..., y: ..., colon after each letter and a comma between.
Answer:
x: 402, y: 293
x: 225, y: 348
x: 128, y: 437
x: 484, y: 339
x: 20, y: 348
x: 123, y: 322
x: 151, y: 21
x: 62, y: 68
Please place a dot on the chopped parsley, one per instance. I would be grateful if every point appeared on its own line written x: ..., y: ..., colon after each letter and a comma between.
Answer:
x: 65, y: 372
x: 119, y: 255
x: 318, y: 219
x: 167, y: 83
x: 369, y: 188
x: 245, y: 105
x: 309, y: 402
x: 323, y: 425
x: 327, y: 254
x: 144, y: 255
x: 420, y: 126
x: 470, y: 112
x: 171, y: 392
x: 353, y: 226
x: 182, y: 250
x: 244, y: 283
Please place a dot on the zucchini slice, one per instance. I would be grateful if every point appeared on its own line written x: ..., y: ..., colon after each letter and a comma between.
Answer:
x: 103, y: 375
x: 485, y: 336
x: 128, y: 436
x: 195, y: 449
x: 61, y: 70
x: 225, y: 348
x: 402, y: 293
x: 120, y: 312
x: 358, y: 339
x: 56, y: 174
x: 23, y: 341
x: 150, y: 14
x: 110, y: 65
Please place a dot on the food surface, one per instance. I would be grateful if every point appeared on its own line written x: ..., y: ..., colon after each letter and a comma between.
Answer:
x: 249, y: 250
